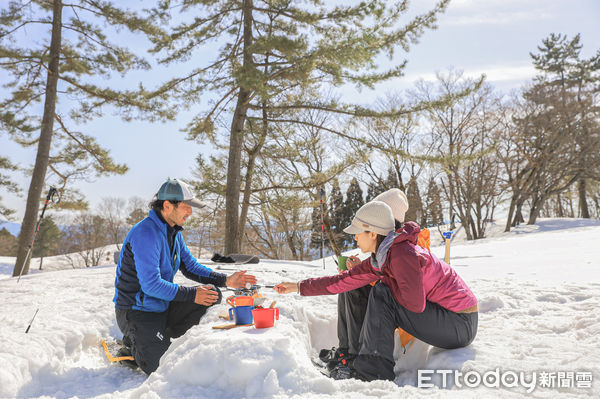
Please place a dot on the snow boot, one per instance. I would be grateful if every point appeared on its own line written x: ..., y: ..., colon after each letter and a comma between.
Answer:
x: 125, y: 351
x: 345, y: 372
x: 326, y: 355
x: 340, y: 356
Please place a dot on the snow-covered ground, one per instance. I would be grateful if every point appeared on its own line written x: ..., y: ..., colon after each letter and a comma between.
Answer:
x: 539, y: 296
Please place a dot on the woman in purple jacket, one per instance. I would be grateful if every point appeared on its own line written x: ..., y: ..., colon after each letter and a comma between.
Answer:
x: 417, y: 292
x: 352, y: 305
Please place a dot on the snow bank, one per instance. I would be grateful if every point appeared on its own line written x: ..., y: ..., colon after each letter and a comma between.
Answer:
x: 538, y: 295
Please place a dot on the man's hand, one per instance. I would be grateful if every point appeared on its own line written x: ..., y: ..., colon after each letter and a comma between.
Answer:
x: 205, y: 296
x: 240, y: 280
x: 286, y: 288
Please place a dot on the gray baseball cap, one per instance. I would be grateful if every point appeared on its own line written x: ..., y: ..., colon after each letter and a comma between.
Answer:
x: 178, y: 190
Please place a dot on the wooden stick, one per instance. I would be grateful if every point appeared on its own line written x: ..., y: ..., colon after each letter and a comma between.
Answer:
x: 230, y: 326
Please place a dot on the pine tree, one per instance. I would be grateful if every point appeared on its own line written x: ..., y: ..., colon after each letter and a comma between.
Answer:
x: 373, y: 190
x: 272, y: 53
x: 69, y: 56
x: 434, y: 212
x: 354, y: 200
x: 315, y: 238
x: 7, y: 184
x: 8, y: 243
x: 135, y: 216
x: 415, y: 204
x: 47, y: 240
x: 392, y: 179
x: 573, y: 81
x: 336, y: 209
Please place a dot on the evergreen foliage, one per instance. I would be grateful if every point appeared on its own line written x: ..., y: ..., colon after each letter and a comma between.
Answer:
x: 6, y: 184
x: 8, y: 243
x: 270, y: 54
x: 415, y: 203
x: 391, y: 180
x: 557, y: 114
x: 354, y: 200
x: 47, y: 240
x: 336, y: 212
x: 567, y: 88
x: 315, y: 237
x: 57, y: 53
x: 434, y: 212
x: 373, y: 190
x: 135, y: 216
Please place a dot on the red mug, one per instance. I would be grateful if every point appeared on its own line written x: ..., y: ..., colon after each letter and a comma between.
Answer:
x: 265, y: 318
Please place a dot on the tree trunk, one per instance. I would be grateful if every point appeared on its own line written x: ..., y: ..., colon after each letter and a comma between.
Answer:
x: 511, y: 211
x: 466, y: 224
x: 43, y: 152
x: 330, y: 236
x: 236, y: 138
x: 41, y: 262
x: 536, y: 207
x: 246, y: 199
x: 518, y: 219
x: 583, y: 207
x: 451, y: 206
x: 250, y: 175
x: 559, y: 208
x: 290, y: 236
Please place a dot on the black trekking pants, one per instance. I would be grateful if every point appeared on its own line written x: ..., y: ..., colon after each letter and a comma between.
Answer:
x: 436, y: 326
x: 352, y: 307
x: 148, y: 334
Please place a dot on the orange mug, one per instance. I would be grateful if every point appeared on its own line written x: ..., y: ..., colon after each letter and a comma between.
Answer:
x: 240, y: 300
x: 265, y: 318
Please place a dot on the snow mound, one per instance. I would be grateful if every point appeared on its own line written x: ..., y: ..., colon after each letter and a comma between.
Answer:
x: 538, y: 313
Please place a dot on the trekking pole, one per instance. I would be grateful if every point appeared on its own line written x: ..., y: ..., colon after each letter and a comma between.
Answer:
x: 55, y: 198
x: 322, y: 227
x: 31, y: 322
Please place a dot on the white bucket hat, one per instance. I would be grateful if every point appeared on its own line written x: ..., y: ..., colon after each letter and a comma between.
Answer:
x: 375, y: 216
x: 396, y: 199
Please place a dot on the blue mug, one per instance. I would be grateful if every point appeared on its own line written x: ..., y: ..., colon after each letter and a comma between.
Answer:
x: 243, y: 314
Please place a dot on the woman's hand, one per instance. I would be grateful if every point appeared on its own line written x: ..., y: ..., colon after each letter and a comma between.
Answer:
x: 286, y: 288
x: 352, y: 261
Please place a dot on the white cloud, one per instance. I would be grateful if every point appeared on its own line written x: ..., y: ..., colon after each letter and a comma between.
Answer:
x: 494, y: 73
x: 499, y: 18
x: 496, y: 12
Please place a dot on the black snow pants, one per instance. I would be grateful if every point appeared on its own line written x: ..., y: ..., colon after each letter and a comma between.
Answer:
x: 148, y: 334
x: 436, y: 326
x: 352, y: 307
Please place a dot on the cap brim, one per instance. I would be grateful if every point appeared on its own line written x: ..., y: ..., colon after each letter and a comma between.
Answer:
x: 352, y: 229
x: 196, y: 203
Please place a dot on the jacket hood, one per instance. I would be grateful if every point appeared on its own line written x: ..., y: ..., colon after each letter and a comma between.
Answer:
x: 409, y: 232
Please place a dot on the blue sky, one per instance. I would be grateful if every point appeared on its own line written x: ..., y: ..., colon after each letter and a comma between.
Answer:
x: 493, y: 37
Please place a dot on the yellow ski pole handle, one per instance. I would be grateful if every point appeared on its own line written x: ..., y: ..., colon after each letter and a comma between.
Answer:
x: 111, y: 358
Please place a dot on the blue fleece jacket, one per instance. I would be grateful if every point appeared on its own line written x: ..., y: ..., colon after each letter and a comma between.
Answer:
x: 147, y: 266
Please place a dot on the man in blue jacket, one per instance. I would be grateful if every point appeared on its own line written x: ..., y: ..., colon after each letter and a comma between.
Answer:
x: 150, y: 308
